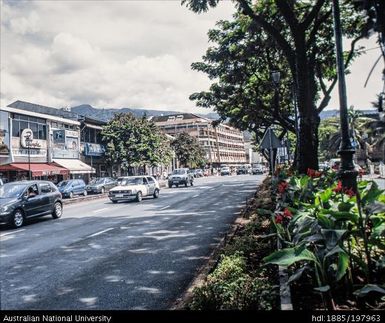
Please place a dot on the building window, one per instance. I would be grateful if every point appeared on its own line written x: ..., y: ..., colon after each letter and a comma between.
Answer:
x: 37, y: 125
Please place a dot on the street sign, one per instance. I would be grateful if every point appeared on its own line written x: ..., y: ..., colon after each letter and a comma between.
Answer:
x: 270, y: 140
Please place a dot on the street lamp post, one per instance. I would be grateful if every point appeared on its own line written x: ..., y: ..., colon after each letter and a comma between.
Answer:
x: 275, y: 76
x: 347, y: 173
x: 28, y: 142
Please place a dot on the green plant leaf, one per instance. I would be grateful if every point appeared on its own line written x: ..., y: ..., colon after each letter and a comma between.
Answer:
x: 345, y: 207
x: 322, y: 289
x: 378, y: 231
x: 297, y: 275
x: 342, y: 215
x: 289, y: 256
x: 332, y: 237
x: 368, y: 289
x: 371, y: 194
x: 343, y: 264
x: 325, y: 195
x: 324, y: 221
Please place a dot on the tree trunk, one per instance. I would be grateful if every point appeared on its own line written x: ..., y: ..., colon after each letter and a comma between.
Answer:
x: 308, y: 116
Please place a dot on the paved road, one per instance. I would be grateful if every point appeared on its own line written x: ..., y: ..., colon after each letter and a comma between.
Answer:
x: 130, y: 255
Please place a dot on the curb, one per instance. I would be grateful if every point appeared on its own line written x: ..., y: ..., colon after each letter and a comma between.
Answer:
x: 84, y: 198
x: 208, y: 267
x: 284, y: 290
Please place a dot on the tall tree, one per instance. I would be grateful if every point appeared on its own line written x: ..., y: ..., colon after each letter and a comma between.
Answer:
x: 303, y: 31
x: 188, y: 150
x: 135, y: 142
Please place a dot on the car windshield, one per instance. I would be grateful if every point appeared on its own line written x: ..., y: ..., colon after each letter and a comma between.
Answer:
x: 131, y: 181
x: 97, y: 181
x: 63, y: 184
x: 179, y: 172
x: 11, y: 190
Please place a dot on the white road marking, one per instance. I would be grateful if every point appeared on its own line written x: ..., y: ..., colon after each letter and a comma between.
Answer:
x: 196, y: 195
x: 165, y: 207
x: 100, y: 232
x: 100, y: 210
x: 13, y: 232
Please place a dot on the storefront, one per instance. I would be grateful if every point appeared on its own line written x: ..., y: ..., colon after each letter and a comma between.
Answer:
x: 43, y: 171
x: 76, y: 168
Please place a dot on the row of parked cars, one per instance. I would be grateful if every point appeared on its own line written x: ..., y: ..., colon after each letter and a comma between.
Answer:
x: 22, y: 200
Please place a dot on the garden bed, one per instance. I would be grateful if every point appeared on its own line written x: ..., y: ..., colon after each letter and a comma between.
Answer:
x: 331, y: 240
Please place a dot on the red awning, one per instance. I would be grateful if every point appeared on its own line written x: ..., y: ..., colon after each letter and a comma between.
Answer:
x: 36, y: 169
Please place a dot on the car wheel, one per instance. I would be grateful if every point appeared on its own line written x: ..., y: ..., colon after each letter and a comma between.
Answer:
x: 169, y: 185
x: 18, y: 219
x: 71, y: 195
x: 192, y: 183
x: 177, y: 185
x: 85, y: 193
x: 139, y: 197
x: 156, y: 193
x: 103, y: 190
x: 185, y: 184
x: 114, y: 201
x: 57, y: 210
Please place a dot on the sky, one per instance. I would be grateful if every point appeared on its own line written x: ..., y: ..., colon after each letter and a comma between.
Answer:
x: 114, y: 54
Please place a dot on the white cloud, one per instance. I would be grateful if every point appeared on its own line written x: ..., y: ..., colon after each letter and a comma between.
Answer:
x: 118, y: 54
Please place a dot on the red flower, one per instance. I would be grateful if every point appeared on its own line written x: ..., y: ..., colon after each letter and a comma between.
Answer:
x: 310, y: 172
x: 287, y: 213
x: 338, y: 188
x: 282, y: 187
x: 349, y: 192
x: 313, y: 173
x: 278, y: 218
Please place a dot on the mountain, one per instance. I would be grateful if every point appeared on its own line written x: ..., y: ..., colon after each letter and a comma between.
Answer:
x: 371, y: 113
x: 106, y: 114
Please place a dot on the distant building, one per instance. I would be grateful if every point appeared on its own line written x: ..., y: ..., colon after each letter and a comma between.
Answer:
x: 222, y: 144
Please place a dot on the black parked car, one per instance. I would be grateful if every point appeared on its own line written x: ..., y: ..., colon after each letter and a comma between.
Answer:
x: 26, y: 199
x: 101, y: 185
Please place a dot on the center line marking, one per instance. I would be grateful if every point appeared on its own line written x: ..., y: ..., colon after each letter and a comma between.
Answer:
x: 165, y: 207
x: 100, y: 210
x: 100, y: 232
x: 196, y: 195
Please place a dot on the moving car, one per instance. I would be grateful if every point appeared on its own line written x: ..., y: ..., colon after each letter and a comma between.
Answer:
x: 257, y: 169
x: 26, y: 199
x: 72, y: 187
x: 101, y: 185
x: 180, y: 176
x: 134, y: 188
x: 225, y: 171
x: 243, y: 170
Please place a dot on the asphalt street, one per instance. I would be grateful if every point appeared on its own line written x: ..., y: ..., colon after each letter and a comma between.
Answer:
x: 122, y: 256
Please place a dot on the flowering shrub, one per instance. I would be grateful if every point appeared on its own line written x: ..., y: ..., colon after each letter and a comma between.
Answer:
x: 329, y: 230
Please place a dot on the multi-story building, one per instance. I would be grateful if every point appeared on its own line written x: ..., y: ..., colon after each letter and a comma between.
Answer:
x: 41, y: 141
x: 222, y: 144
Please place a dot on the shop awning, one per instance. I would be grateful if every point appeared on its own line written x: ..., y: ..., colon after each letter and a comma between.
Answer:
x: 37, y: 169
x: 75, y: 166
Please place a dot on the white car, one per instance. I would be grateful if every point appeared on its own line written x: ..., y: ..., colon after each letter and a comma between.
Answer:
x: 181, y: 176
x: 134, y: 188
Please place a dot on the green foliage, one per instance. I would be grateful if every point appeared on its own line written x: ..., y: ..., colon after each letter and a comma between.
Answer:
x: 332, y: 231
x: 135, y: 141
x: 188, y: 151
x: 294, y: 37
x: 230, y: 287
